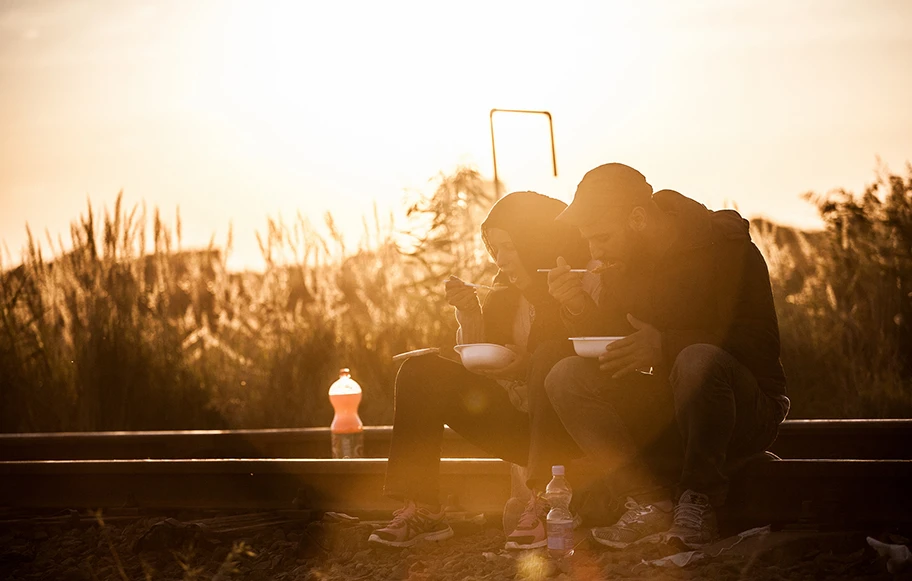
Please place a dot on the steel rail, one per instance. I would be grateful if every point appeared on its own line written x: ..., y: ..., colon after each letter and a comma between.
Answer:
x: 245, y: 470
x: 811, y: 439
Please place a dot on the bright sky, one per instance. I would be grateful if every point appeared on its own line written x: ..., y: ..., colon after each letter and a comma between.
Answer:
x: 236, y: 111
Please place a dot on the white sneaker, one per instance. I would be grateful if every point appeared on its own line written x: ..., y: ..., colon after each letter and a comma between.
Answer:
x: 694, y: 521
x: 412, y: 524
x: 640, y: 522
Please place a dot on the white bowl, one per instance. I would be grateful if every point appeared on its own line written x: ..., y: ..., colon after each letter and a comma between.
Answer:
x: 484, y: 356
x: 591, y: 346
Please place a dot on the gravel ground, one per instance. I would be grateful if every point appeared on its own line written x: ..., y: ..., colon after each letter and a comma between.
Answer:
x: 75, y: 547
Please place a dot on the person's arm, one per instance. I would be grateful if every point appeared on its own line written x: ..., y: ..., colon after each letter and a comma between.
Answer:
x: 583, y: 323
x: 468, y: 311
x: 601, y: 314
x: 471, y: 326
x: 584, y: 308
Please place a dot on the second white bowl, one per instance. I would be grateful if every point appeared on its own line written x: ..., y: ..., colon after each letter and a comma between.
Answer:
x: 591, y: 346
x: 484, y: 356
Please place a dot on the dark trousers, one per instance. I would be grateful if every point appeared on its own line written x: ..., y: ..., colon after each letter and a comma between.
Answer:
x: 649, y: 432
x: 432, y: 391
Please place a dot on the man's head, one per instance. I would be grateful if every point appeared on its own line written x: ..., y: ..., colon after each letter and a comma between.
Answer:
x: 612, y: 208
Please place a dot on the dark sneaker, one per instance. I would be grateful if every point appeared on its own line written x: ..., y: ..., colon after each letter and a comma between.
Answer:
x: 530, y: 529
x: 694, y: 522
x: 640, y: 522
x: 412, y: 524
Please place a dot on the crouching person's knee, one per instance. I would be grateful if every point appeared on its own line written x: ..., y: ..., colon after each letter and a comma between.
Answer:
x: 565, y: 380
x: 418, y: 373
x: 698, y: 367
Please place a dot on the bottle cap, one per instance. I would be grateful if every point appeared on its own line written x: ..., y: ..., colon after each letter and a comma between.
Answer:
x: 557, y: 470
x: 345, y: 385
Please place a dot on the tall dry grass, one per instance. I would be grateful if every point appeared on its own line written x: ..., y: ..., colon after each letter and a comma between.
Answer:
x: 320, y: 306
x: 844, y: 299
x: 130, y: 331
x: 115, y: 335
x: 91, y: 339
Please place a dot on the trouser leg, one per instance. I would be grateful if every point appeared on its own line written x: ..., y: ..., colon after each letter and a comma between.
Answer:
x: 620, y: 424
x: 550, y: 443
x: 720, y: 411
x: 430, y: 392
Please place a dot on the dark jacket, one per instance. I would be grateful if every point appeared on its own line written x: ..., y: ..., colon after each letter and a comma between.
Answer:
x: 712, y: 286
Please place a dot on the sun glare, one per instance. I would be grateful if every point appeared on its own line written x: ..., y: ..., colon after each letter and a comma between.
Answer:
x: 313, y: 81
x: 279, y: 107
x: 372, y: 91
x: 373, y: 101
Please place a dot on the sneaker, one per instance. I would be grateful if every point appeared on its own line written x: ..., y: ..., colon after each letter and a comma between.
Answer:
x: 694, y: 521
x: 530, y: 529
x: 412, y: 524
x: 640, y: 522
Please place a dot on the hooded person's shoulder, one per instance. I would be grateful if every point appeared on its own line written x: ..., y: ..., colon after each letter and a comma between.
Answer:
x: 730, y: 225
x: 700, y: 223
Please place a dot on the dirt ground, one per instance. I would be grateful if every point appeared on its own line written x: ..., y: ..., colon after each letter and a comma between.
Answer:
x: 77, y: 546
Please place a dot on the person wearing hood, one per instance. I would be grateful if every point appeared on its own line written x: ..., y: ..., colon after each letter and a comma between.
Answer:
x: 695, y: 383
x: 504, y: 412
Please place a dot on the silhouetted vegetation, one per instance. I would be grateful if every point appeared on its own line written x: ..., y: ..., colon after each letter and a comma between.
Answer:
x: 844, y: 298
x: 117, y: 335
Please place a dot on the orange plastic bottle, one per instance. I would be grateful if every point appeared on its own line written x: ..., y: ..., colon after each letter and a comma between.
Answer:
x: 346, y: 428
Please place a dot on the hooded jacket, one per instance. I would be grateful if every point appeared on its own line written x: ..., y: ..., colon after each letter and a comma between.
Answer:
x: 711, y: 286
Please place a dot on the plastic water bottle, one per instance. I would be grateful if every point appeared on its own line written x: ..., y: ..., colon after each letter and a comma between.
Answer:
x: 346, y: 428
x: 559, y: 522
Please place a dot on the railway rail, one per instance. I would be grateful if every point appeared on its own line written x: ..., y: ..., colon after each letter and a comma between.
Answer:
x: 832, y: 473
x: 812, y: 439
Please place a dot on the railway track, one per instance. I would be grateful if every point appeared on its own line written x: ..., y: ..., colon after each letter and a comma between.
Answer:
x: 833, y: 473
x: 811, y: 439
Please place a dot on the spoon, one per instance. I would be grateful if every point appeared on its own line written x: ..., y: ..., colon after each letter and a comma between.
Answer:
x: 596, y: 270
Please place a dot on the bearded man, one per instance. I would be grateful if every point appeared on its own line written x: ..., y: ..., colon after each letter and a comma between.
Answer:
x: 696, y: 379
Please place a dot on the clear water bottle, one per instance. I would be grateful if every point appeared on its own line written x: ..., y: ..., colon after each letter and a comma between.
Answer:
x: 559, y: 522
x: 346, y: 430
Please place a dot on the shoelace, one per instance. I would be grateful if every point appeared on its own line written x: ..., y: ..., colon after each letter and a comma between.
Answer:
x: 534, y: 510
x: 634, y: 512
x: 403, y: 514
x: 689, y: 515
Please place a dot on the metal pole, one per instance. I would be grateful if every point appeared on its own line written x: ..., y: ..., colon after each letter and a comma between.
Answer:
x: 494, y: 149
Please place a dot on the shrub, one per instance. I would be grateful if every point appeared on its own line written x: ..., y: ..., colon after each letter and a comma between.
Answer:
x: 844, y: 298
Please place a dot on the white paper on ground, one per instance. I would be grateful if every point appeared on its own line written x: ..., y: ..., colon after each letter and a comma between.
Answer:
x: 713, y: 550
x: 898, y: 556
